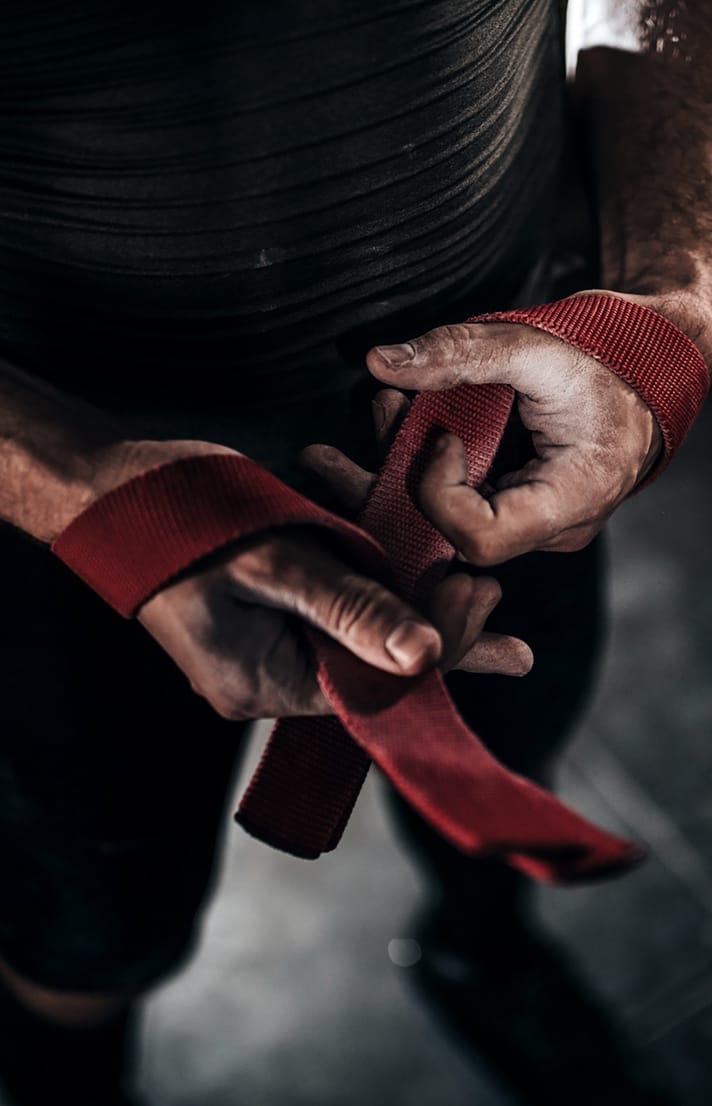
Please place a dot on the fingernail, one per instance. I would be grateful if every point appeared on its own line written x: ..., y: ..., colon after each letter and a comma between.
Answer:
x: 412, y: 642
x: 396, y: 355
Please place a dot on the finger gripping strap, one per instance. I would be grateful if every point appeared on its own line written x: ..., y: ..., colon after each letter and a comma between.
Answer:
x: 137, y: 538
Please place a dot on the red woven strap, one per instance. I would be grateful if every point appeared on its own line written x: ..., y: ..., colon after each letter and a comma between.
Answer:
x: 641, y: 346
x: 140, y: 536
x: 135, y: 539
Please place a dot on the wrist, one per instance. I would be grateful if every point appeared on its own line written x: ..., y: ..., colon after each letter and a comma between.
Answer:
x: 53, y: 500
x: 690, y: 309
x: 688, y: 306
x: 639, y: 344
x: 151, y: 526
x: 123, y: 460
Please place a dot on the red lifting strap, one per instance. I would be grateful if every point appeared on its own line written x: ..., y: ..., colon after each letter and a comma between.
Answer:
x: 135, y: 539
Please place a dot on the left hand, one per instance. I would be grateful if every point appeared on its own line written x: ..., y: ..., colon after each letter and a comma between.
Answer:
x: 594, y: 437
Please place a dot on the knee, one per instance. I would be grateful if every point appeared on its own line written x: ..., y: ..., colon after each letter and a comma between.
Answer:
x: 71, y: 1009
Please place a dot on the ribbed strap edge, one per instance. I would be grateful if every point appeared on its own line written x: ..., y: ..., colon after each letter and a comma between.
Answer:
x: 136, y: 538
x: 657, y: 359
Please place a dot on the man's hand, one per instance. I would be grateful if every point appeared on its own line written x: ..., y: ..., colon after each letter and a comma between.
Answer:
x: 235, y: 628
x: 594, y: 438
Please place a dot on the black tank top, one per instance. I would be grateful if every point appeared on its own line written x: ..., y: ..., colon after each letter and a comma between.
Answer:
x: 202, y: 201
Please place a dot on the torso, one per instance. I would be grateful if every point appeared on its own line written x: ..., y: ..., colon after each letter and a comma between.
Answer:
x: 247, y: 195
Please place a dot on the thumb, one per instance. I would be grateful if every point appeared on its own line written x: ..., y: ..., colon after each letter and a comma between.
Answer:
x: 464, y: 353
x: 299, y: 575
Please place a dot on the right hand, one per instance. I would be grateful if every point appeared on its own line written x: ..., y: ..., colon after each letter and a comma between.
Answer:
x: 235, y: 628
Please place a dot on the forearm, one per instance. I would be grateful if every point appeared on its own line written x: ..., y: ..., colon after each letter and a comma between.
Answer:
x: 52, y: 448
x: 647, y: 121
x: 58, y: 454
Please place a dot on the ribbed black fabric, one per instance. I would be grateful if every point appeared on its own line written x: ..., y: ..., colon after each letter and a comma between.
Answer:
x: 220, y: 199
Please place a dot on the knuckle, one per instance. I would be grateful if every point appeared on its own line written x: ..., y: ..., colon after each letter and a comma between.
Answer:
x: 357, y: 602
x: 196, y: 687
x: 453, y: 336
x: 489, y: 556
x: 576, y: 540
x: 274, y: 554
x: 450, y: 342
x: 572, y: 545
x: 233, y: 703
x: 554, y: 512
x: 229, y: 709
x: 467, y: 545
x: 266, y: 557
x: 480, y: 549
x: 525, y: 347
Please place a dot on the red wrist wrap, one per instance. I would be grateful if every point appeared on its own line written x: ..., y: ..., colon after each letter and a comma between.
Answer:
x: 641, y: 346
x: 135, y: 539
x: 138, y: 537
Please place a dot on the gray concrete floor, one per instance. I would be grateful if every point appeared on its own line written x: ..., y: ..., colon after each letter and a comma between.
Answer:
x: 293, y: 998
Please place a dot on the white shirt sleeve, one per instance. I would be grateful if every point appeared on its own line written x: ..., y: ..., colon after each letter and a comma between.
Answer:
x: 601, y: 23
